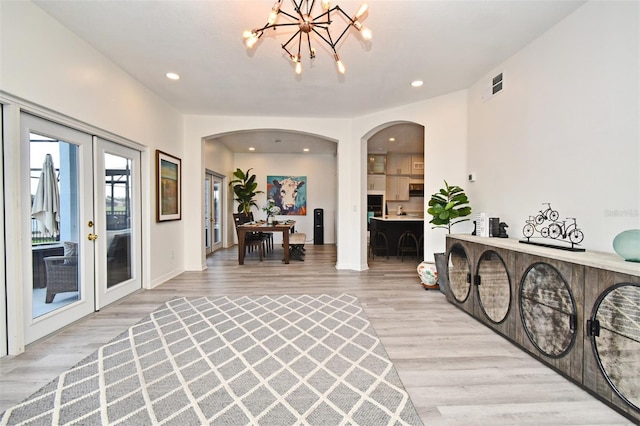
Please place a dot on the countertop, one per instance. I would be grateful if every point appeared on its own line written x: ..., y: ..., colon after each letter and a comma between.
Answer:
x: 595, y: 259
x: 394, y: 218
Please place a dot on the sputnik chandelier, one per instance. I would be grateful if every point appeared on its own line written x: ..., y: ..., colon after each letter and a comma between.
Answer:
x: 308, y: 25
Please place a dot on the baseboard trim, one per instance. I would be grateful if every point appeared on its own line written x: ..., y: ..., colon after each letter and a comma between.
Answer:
x: 164, y: 278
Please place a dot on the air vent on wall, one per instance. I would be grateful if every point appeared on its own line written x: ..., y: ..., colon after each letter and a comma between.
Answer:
x: 493, y: 87
x: 497, y: 84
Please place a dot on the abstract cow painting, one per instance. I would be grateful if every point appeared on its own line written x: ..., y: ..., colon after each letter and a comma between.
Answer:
x: 289, y: 193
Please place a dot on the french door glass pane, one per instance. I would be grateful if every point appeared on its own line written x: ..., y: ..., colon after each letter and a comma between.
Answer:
x: 118, y: 218
x: 54, y: 223
x: 207, y: 214
x: 217, y: 213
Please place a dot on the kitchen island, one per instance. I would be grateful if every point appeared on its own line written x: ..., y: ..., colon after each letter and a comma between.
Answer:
x: 393, y: 226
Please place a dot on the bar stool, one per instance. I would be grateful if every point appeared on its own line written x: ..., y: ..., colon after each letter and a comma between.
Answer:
x: 408, y: 243
x: 421, y: 247
x: 379, y: 241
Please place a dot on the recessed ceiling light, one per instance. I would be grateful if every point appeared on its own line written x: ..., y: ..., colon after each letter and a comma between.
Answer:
x: 172, y: 76
x: 417, y: 83
x: 251, y: 148
x: 306, y: 150
x: 392, y: 139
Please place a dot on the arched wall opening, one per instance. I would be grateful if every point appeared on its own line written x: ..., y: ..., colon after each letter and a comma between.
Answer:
x: 278, y: 152
x: 395, y: 137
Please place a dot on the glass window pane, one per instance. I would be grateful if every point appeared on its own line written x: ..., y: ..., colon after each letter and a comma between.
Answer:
x: 54, y: 223
x: 118, y: 218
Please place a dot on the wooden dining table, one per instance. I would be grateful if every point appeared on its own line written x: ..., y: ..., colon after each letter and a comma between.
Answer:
x: 286, y: 227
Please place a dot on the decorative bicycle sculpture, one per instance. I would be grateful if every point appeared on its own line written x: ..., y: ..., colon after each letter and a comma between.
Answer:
x: 546, y: 223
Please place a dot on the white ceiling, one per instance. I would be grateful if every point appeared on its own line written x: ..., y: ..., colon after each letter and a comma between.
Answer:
x: 449, y: 44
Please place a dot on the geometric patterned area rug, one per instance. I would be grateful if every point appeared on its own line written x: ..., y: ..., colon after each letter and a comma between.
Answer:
x: 250, y: 360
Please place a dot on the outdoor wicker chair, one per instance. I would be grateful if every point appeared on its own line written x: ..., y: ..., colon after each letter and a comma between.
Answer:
x: 62, y: 272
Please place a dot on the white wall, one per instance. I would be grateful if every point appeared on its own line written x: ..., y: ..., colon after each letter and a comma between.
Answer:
x: 321, y: 186
x: 565, y: 130
x: 47, y: 65
x: 219, y: 159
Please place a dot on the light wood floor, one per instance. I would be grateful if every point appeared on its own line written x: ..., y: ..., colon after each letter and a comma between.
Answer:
x: 457, y: 371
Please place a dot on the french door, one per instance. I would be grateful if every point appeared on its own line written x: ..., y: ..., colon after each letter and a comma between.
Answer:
x: 81, y: 202
x: 117, y: 208
x: 213, y: 212
x: 208, y: 214
x: 217, y: 212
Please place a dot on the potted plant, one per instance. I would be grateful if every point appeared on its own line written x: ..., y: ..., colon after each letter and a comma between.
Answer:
x: 447, y: 207
x: 244, y: 187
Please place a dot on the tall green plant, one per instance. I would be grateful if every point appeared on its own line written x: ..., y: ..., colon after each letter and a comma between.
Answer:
x: 448, y: 207
x: 244, y: 187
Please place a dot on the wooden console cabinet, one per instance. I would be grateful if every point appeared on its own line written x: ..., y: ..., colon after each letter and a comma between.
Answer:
x: 578, y: 312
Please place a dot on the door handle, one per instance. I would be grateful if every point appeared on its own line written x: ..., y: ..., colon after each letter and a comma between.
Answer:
x: 92, y: 237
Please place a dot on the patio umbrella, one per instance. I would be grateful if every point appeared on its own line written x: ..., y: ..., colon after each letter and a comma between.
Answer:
x: 46, y: 203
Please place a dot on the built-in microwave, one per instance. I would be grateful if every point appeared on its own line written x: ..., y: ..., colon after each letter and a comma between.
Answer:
x: 416, y: 190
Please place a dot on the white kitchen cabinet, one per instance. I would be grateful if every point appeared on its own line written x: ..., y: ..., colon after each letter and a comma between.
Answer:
x: 417, y: 165
x: 376, y: 182
x: 399, y: 164
x: 397, y: 188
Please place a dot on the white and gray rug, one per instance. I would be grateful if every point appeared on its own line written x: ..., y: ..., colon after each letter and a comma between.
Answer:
x: 252, y: 360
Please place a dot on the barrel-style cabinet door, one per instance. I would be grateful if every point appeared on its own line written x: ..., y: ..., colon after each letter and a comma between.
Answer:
x: 495, y: 291
x: 613, y: 333
x: 550, y: 301
x: 459, y: 276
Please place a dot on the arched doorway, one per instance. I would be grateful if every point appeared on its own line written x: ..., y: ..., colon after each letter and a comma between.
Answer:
x: 270, y: 152
x: 395, y: 174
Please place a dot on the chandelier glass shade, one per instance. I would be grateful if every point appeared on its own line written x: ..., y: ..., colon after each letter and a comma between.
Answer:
x: 322, y: 25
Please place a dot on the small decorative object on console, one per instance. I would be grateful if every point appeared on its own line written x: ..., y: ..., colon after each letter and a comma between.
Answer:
x: 502, y: 233
x: 494, y: 226
x: 546, y: 223
x: 627, y: 245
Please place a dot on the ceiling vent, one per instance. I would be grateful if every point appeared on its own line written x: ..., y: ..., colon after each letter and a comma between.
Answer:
x: 493, y: 87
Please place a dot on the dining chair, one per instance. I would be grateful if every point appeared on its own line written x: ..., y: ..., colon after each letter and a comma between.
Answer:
x: 266, y: 236
x: 251, y: 239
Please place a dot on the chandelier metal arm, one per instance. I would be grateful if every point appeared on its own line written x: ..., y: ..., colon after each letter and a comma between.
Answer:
x: 274, y: 26
x: 328, y: 22
x: 352, y: 23
x: 297, y: 34
x: 299, y: 6
x: 311, y: 53
x: 292, y: 37
x: 328, y: 41
x: 295, y: 18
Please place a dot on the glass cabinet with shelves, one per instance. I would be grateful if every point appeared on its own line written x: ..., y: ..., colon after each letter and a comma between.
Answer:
x: 376, y: 164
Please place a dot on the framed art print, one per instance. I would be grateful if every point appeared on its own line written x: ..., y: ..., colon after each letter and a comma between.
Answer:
x: 169, y: 186
x: 289, y: 193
